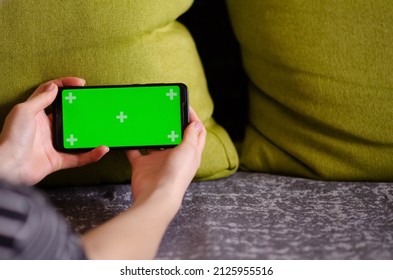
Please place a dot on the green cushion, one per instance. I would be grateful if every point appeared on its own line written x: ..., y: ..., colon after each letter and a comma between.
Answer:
x: 321, y: 88
x: 106, y: 42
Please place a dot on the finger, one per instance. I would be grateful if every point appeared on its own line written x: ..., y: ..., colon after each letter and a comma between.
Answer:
x: 133, y: 155
x: 199, y: 127
x: 92, y: 156
x: 193, y: 115
x: 202, y: 139
x: 195, y: 134
x: 70, y: 161
x: 68, y: 81
x: 41, y: 99
x: 153, y: 151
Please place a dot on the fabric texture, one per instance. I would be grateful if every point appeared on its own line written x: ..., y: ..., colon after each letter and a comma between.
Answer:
x: 107, y: 42
x: 321, y: 83
x: 256, y: 216
x: 30, y: 228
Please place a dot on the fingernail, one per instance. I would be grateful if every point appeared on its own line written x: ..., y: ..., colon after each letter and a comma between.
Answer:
x: 50, y: 87
x: 198, y: 126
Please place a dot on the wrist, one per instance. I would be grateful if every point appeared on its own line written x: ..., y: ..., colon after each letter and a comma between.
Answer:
x: 165, y: 201
x: 8, y: 166
x: 5, y: 164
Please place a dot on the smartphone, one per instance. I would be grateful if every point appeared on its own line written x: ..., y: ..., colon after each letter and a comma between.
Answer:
x: 120, y: 116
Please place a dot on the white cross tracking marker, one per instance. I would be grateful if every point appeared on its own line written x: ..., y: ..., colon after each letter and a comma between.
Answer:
x: 70, y: 98
x: 171, y: 94
x: 173, y: 136
x: 72, y: 139
x: 121, y: 117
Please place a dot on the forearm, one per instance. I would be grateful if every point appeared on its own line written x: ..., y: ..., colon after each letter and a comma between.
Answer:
x: 134, y: 234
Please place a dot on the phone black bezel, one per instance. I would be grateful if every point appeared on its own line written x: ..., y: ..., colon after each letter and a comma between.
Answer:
x: 57, y: 126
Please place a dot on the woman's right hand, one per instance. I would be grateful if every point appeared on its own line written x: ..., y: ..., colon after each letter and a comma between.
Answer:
x: 168, y: 171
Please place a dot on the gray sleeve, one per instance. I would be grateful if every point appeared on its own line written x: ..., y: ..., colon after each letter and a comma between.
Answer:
x: 30, y: 227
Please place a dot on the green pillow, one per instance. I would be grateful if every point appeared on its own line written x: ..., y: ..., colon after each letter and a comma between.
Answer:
x: 321, y: 83
x: 106, y: 42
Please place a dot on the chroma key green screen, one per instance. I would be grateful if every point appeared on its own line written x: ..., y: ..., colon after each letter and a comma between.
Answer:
x: 135, y: 116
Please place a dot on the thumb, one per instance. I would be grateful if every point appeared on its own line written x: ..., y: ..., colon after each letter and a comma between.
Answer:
x: 195, y: 134
x: 42, y: 98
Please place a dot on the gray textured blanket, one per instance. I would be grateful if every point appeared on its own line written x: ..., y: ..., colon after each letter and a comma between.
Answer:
x: 256, y: 216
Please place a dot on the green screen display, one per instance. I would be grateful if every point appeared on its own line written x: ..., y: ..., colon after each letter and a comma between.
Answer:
x: 135, y: 116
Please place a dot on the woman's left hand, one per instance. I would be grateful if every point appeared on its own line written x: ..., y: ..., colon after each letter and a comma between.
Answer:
x: 27, y: 154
